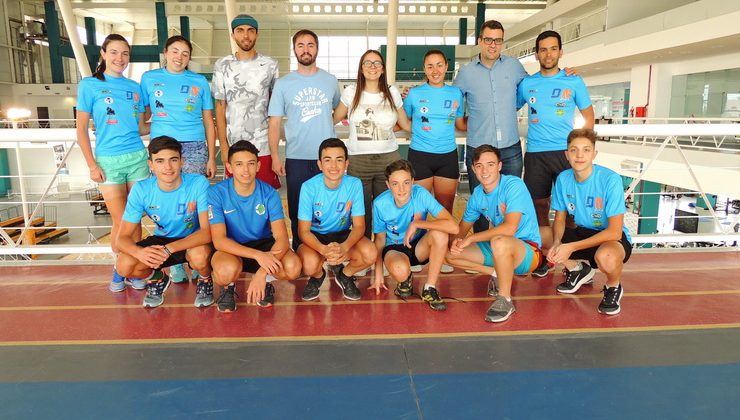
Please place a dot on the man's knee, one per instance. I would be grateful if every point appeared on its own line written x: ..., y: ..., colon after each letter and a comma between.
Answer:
x: 608, y: 259
x: 199, y: 257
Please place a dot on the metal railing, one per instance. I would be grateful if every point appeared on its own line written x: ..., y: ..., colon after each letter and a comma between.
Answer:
x: 653, y: 138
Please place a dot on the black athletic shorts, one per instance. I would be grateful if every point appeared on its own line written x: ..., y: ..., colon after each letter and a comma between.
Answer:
x: 250, y: 265
x: 427, y: 165
x: 327, y: 238
x: 409, y: 252
x: 581, y: 233
x: 541, y: 169
x: 174, y: 259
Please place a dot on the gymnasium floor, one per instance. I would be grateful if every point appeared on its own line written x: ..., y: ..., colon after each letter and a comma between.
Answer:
x: 71, y: 349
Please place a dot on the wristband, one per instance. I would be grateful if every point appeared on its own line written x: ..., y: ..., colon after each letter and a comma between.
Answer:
x: 167, y: 250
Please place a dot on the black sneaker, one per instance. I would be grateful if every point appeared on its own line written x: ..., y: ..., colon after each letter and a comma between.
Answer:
x: 348, y: 286
x: 311, y: 291
x: 227, y: 300
x: 155, y: 291
x: 610, y: 303
x: 493, y: 286
x: 405, y: 289
x: 542, y: 269
x: 575, y: 279
x: 269, y: 298
x: 431, y: 297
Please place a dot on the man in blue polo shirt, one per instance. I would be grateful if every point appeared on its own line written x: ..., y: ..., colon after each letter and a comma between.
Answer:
x: 552, y: 97
x: 177, y: 205
x: 593, y: 197
x: 511, y: 246
x: 331, y: 224
x: 307, y: 98
x: 248, y: 231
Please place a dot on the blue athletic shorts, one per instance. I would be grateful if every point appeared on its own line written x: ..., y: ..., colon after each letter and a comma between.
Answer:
x: 523, y: 268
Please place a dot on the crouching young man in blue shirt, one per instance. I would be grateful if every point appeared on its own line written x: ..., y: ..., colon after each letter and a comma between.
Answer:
x: 177, y: 204
x: 249, y: 232
x: 331, y: 224
x: 512, y: 245
x: 593, y: 195
x: 404, y: 237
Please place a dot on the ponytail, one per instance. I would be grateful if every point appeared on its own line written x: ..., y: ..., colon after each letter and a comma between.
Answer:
x: 100, y: 70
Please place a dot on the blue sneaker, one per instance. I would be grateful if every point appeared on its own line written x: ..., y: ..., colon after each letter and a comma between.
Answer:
x: 116, y: 283
x: 178, y: 274
x: 136, y: 284
x: 155, y: 290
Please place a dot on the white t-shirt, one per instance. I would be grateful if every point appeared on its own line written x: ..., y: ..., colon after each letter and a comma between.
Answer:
x: 371, y: 124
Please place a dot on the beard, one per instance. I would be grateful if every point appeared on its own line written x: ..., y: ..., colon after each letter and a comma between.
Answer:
x: 306, y: 59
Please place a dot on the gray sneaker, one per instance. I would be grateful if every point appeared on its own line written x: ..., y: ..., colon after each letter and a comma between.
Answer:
x: 500, y: 311
x: 155, y: 291
x: 493, y: 286
x: 203, y: 293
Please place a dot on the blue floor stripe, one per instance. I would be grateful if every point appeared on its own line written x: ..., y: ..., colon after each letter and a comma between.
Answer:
x: 675, y: 392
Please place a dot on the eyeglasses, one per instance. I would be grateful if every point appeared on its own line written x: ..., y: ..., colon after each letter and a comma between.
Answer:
x: 497, y: 41
x: 376, y: 63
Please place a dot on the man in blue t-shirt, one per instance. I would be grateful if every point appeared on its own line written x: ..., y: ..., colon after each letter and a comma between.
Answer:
x: 177, y: 204
x: 404, y: 237
x: 248, y: 231
x: 331, y: 224
x: 306, y: 98
x: 552, y: 97
x: 593, y: 197
x: 512, y: 245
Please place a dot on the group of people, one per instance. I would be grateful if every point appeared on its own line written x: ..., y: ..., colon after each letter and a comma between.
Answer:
x: 352, y: 204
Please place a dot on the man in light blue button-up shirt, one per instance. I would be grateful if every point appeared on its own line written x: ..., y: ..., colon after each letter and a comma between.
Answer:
x: 489, y: 83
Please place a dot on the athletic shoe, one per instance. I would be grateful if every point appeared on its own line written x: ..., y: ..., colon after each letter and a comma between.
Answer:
x: 472, y: 271
x: 155, y: 291
x: 226, y: 302
x: 405, y: 289
x: 416, y: 268
x: 178, y: 274
x: 575, y: 279
x: 136, y: 284
x: 542, y: 269
x: 269, y: 298
x: 116, y: 283
x: 610, y: 303
x: 336, y: 269
x: 204, y: 293
x: 312, y: 289
x: 431, y: 297
x: 493, y: 286
x: 446, y: 269
x: 348, y: 286
x: 500, y: 310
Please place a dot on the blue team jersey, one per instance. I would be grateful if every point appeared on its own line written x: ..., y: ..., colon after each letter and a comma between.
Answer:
x: 175, y: 213
x: 331, y: 210
x: 509, y: 196
x: 591, y: 202
x: 114, y: 105
x: 433, y: 111
x: 394, y: 221
x: 308, y: 102
x: 177, y: 102
x: 246, y: 218
x: 552, y: 102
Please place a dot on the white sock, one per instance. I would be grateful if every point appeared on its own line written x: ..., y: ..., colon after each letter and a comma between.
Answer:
x: 428, y: 286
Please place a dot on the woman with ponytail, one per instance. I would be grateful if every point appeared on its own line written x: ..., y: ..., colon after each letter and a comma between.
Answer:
x: 180, y: 105
x: 119, y: 159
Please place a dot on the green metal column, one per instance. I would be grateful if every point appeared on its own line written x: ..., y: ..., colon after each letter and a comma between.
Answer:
x: 462, y: 30
x: 649, y: 204
x: 4, y: 171
x: 52, y: 32
x: 162, y: 33
x: 185, y: 27
x: 480, y: 17
x: 93, y: 54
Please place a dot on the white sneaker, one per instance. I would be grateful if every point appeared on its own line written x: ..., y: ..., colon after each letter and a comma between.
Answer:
x: 446, y: 269
x: 416, y: 268
x: 471, y: 272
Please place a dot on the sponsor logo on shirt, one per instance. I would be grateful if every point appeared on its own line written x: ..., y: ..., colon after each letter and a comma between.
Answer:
x: 158, y: 93
x: 559, y: 112
x: 571, y: 207
x: 108, y: 100
x: 532, y: 100
x: 425, y: 109
x: 597, y: 203
x: 194, y: 91
x: 184, y: 89
x: 560, y: 105
x: 259, y: 209
x: 129, y: 95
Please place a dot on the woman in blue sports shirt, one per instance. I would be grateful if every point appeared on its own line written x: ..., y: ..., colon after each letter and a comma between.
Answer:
x: 119, y: 159
x: 435, y: 109
x: 180, y: 105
